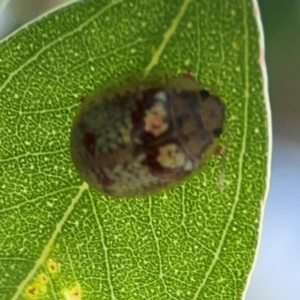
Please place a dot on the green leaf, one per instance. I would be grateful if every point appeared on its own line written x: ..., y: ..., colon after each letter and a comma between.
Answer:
x: 58, y: 237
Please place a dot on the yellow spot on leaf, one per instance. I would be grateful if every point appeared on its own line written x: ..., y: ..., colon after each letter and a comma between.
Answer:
x: 43, y: 279
x: 52, y: 266
x: 31, y: 292
x: 235, y: 46
x: 38, y: 287
x: 73, y: 293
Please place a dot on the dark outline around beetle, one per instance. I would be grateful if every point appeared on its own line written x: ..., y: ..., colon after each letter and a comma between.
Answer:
x: 137, y: 135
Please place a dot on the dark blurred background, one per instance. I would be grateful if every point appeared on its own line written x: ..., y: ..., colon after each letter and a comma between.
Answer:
x: 276, y: 275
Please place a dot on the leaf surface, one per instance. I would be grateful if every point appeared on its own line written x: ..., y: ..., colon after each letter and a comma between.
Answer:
x: 59, y: 239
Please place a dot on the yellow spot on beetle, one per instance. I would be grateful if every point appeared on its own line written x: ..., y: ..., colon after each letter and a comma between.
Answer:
x: 154, y: 120
x: 170, y: 156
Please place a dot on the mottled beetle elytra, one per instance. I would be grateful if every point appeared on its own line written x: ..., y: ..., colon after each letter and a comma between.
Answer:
x: 141, y: 135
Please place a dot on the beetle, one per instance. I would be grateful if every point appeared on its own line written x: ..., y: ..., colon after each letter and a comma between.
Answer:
x: 141, y: 135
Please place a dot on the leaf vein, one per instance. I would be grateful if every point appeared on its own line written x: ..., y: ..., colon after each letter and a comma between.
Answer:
x: 47, y: 249
x: 43, y: 49
x: 167, y: 36
x: 241, y: 161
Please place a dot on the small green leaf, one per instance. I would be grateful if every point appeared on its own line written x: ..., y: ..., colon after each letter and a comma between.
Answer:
x: 59, y: 239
